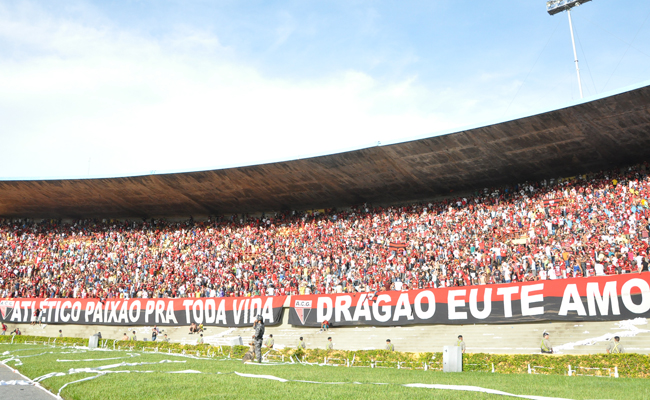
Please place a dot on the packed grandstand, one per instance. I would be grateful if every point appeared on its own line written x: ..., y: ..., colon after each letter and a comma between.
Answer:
x: 586, y: 225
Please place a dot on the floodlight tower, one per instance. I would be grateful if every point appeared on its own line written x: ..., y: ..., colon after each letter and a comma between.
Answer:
x: 557, y: 6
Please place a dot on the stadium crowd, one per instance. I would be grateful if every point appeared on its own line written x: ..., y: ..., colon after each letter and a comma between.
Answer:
x: 587, y: 225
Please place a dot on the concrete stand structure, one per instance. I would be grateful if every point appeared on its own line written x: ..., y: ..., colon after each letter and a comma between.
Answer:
x: 566, y: 337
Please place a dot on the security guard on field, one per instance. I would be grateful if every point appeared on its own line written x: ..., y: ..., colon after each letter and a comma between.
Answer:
x: 546, y: 344
x: 259, y: 335
x: 389, y: 345
x: 615, y: 347
x: 461, y: 344
x: 270, y: 342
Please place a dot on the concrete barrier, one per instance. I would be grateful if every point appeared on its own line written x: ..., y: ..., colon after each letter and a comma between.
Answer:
x: 566, y: 337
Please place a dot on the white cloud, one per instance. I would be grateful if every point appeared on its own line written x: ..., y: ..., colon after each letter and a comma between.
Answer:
x: 134, y: 104
x: 74, y: 89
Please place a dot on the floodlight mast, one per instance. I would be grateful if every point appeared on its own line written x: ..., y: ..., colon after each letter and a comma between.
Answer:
x: 575, y: 55
x: 556, y: 6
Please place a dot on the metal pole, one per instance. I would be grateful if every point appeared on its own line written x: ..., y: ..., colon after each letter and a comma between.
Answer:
x: 575, y: 55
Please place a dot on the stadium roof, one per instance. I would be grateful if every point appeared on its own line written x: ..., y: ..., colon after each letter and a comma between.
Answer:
x: 599, y: 134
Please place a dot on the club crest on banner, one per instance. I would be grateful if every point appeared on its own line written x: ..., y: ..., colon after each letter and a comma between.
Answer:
x: 303, y: 308
x: 5, y: 306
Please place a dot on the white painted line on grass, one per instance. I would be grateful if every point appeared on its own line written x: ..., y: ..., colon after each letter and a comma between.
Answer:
x: 413, y: 385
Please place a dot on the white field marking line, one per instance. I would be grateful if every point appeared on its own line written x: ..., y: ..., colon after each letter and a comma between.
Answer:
x: 100, y: 369
x: 131, y: 355
x: 414, y: 385
x: 186, y: 371
x: 102, y: 373
x: 19, y: 362
x: 58, y: 395
x: 16, y: 361
x: 36, y: 355
x: 13, y: 351
x: 13, y: 357
x: 86, y: 348
x: 316, y: 364
x: 267, y: 363
x: 477, y: 389
x: 182, y: 355
x: 270, y: 377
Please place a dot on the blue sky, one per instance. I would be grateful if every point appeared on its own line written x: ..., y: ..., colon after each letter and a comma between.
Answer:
x: 118, y: 88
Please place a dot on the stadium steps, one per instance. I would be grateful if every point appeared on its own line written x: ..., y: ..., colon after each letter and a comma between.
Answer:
x: 567, y: 337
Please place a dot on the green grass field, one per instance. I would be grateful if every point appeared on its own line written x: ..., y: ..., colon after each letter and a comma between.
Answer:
x: 217, y: 379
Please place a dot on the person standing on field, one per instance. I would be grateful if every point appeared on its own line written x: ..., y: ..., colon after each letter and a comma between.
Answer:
x: 546, y: 344
x: 615, y: 347
x: 461, y: 344
x: 259, y: 335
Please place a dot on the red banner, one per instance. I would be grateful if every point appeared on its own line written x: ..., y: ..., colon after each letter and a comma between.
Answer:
x: 222, y: 311
x: 603, y: 298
